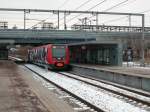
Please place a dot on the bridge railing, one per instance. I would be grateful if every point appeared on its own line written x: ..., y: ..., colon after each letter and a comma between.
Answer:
x: 109, y: 28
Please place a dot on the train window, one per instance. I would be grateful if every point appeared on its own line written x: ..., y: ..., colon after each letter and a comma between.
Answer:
x: 58, y: 51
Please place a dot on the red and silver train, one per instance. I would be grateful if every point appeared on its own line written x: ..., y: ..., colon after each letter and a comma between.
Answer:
x: 52, y: 56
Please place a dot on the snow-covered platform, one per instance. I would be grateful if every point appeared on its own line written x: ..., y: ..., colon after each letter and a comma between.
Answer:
x: 136, y: 77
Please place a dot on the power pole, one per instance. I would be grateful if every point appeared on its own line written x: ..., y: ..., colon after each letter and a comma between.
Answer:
x: 58, y: 20
x: 130, y: 20
x: 96, y: 21
x: 24, y: 19
x: 143, y: 42
x: 25, y: 12
x: 65, y: 27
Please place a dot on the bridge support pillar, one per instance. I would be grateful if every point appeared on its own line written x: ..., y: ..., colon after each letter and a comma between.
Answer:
x: 3, y: 52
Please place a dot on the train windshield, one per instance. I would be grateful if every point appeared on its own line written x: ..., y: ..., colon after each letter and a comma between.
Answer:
x: 58, y: 51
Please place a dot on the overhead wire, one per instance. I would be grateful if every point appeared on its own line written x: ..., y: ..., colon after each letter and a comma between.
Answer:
x: 87, y: 10
x: 39, y: 23
x: 128, y: 3
x: 82, y: 4
x: 90, y: 8
x: 96, y: 6
x: 48, y: 17
x: 78, y: 7
x: 118, y: 4
x: 63, y: 4
x: 125, y: 16
x: 75, y: 9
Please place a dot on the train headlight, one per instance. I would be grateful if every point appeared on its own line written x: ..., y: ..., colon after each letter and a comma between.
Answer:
x: 59, y: 64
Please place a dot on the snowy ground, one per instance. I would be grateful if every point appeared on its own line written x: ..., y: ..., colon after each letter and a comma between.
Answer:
x: 96, y: 96
x: 137, y: 96
x: 135, y: 64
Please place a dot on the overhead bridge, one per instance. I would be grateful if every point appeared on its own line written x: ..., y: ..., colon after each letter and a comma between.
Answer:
x: 20, y: 36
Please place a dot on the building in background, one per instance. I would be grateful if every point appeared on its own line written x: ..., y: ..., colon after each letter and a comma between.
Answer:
x: 3, y: 25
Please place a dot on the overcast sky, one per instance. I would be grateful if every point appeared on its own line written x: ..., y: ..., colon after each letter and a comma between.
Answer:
x: 130, y: 6
x: 133, y: 6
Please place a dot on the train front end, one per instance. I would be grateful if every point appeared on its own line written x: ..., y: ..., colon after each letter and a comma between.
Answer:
x: 60, y: 57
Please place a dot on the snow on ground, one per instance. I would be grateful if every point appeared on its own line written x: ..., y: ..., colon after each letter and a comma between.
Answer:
x: 15, y: 58
x: 144, y: 98
x: 89, y: 93
x: 135, y: 65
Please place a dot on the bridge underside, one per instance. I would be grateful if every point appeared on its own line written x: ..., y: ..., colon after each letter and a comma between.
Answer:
x: 19, y: 36
x: 33, y: 41
x: 42, y: 36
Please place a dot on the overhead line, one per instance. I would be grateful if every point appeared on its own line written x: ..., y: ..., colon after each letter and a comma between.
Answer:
x: 129, y: 2
x: 124, y: 17
x: 38, y: 23
x: 115, y: 5
x: 120, y: 17
x: 83, y: 4
x: 97, y: 5
x: 48, y: 17
x: 75, y: 9
x: 79, y: 6
x: 88, y: 9
x: 63, y: 4
x: 112, y: 7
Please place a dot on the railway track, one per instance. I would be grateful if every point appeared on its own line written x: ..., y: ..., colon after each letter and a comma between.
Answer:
x: 134, y: 90
x: 86, y: 106
x: 144, y: 105
x: 135, y: 96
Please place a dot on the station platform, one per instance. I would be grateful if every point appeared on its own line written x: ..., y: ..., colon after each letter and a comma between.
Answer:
x: 136, y: 77
x: 133, y: 71
x: 20, y: 92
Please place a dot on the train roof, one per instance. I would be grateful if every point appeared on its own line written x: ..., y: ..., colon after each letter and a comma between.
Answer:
x: 47, y: 45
